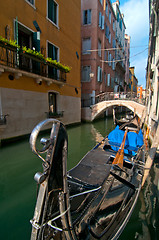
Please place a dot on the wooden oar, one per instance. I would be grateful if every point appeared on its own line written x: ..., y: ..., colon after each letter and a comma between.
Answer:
x: 120, y: 154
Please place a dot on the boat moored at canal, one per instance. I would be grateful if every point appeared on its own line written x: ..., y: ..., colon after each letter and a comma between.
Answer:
x: 94, y: 199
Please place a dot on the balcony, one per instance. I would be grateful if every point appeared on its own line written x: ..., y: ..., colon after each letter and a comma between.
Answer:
x: 21, y: 62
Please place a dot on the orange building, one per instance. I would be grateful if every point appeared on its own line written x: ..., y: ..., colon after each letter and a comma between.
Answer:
x: 36, y: 85
x: 139, y: 92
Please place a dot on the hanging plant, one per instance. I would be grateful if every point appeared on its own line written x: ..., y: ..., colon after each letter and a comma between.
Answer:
x: 9, y: 42
x: 32, y: 52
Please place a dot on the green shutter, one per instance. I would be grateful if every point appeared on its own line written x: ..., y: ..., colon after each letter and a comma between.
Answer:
x: 36, y: 41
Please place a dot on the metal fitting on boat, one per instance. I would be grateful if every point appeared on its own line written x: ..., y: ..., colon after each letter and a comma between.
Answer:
x: 40, y: 177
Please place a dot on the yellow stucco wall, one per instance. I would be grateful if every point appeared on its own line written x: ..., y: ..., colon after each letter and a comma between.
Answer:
x: 23, y: 99
x: 66, y: 37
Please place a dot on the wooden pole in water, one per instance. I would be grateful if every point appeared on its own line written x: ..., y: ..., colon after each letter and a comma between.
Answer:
x: 151, y: 155
x: 114, y: 115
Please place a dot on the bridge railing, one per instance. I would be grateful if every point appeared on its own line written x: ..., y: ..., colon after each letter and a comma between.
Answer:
x: 111, y: 96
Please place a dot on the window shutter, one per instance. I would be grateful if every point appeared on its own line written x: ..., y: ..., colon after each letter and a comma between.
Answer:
x: 36, y: 45
x: 36, y: 41
x: 108, y: 80
x: 102, y: 23
x: 100, y: 19
x: 98, y: 77
x: 86, y: 73
x: 84, y: 21
x: 105, y: 56
x: 100, y: 74
x: 86, y: 45
x: 89, y: 16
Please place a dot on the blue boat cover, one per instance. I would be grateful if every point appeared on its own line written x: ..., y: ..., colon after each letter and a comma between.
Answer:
x: 132, y: 143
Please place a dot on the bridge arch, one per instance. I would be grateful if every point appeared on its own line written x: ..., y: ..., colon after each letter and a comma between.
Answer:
x: 100, y: 107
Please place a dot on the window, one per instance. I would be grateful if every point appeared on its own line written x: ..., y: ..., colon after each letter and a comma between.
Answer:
x: 53, y: 52
x: 120, y: 24
x: 99, y: 75
x: 86, y: 45
x: 109, y: 16
x: 113, y: 24
x: 53, y: 11
x: 114, y: 43
x: 109, y: 37
x: 101, y: 21
x: 24, y: 39
x: 101, y: 1
x: 86, y: 70
x: 105, y: 55
x: 106, y: 9
x: 110, y: 59
x: 87, y: 17
x: 108, y: 80
x: 32, y: 2
x: 99, y: 48
x: 117, y: 16
x: 52, y: 102
x: 113, y: 63
x: 107, y: 31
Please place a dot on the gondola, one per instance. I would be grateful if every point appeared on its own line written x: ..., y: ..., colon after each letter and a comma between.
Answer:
x: 93, y: 200
x: 129, y: 120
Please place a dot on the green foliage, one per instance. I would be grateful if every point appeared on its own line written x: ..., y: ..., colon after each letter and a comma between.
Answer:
x: 9, y: 42
x: 33, y: 52
x: 39, y: 55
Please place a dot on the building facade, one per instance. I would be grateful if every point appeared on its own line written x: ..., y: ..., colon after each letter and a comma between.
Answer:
x: 36, y: 85
x: 134, y: 82
x: 97, y: 58
x: 127, y: 62
x: 120, y: 48
x: 152, y: 75
x: 139, y: 92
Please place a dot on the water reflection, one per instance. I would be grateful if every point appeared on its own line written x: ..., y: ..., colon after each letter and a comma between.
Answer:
x: 18, y: 189
x: 144, y: 223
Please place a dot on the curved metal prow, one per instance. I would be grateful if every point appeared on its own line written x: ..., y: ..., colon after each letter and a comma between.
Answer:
x: 52, y: 211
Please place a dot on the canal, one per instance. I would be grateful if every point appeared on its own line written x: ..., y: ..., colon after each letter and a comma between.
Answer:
x: 18, y: 189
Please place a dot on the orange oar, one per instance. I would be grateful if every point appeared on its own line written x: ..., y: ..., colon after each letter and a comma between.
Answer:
x: 120, y: 154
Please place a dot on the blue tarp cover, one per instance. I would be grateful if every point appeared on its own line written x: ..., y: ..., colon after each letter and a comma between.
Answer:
x: 132, y: 143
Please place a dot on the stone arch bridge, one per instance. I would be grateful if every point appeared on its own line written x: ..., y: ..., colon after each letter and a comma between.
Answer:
x: 101, y: 107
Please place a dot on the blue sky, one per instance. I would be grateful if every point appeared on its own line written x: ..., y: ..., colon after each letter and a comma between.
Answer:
x: 136, y: 18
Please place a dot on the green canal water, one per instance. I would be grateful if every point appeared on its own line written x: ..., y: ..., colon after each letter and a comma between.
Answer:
x: 18, y: 189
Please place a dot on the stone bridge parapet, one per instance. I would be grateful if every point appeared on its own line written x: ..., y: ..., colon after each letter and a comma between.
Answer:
x: 101, y: 107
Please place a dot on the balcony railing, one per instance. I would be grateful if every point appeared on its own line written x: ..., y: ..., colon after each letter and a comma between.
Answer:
x: 16, y: 58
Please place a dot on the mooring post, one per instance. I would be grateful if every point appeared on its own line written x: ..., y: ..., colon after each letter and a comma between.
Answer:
x: 151, y: 155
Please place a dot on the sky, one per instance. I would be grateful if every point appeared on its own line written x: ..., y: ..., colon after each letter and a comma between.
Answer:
x: 136, y: 19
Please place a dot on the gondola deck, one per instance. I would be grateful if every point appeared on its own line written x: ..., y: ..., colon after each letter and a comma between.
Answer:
x: 95, y: 199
